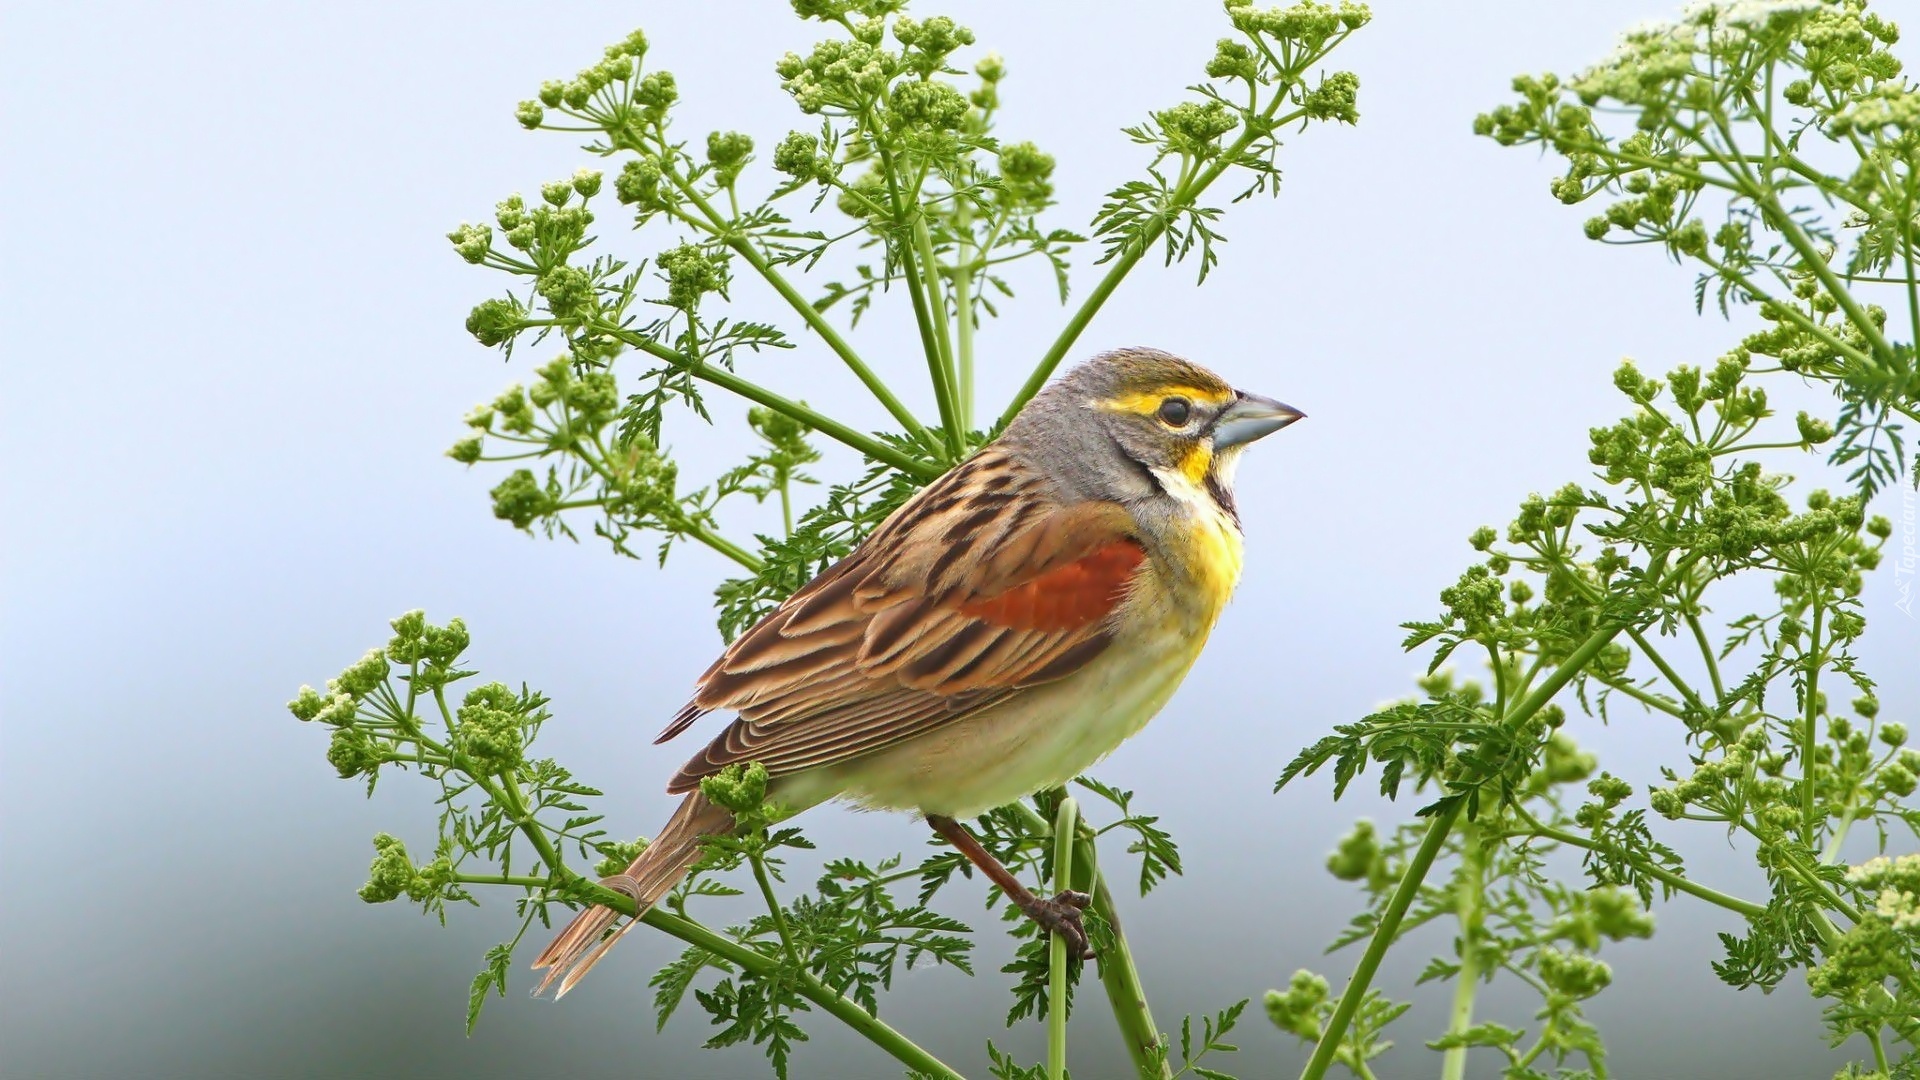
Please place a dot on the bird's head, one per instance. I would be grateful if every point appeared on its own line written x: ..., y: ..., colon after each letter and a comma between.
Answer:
x: 1136, y: 423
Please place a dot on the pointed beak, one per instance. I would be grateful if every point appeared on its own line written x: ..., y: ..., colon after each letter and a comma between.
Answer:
x: 1251, y: 417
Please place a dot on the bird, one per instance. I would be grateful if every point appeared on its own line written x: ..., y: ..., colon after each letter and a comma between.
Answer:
x: 1000, y: 632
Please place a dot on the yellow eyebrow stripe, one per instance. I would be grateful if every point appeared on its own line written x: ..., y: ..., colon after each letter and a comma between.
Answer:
x: 1147, y: 402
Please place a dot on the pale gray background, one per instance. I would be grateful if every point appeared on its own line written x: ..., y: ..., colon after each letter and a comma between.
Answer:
x: 235, y: 356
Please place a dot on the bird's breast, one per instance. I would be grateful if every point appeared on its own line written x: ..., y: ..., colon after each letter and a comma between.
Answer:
x: 1204, y: 554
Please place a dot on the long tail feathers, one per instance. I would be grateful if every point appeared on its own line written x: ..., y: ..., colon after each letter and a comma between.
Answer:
x: 659, y: 868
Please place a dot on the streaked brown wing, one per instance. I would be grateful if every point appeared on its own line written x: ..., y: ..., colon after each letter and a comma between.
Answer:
x: 981, y: 585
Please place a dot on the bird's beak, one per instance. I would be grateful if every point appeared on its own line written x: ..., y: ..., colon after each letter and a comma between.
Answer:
x: 1251, y: 417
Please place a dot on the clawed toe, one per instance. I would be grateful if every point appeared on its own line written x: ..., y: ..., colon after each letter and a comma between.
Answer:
x: 1061, y: 915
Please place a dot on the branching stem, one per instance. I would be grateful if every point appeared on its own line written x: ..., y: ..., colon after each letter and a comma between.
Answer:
x: 1469, y: 905
x: 1066, y: 822
x: 1435, y: 839
x: 760, y: 395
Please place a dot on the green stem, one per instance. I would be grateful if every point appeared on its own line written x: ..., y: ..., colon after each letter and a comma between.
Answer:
x: 1126, y: 994
x: 1809, y: 734
x: 1066, y: 823
x: 508, y: 790
x: 779, y: 914
x: 1470, y: 908
x: 724, y: 546
x: 1666, y: 877
x: 963, y: 310
x: 1658, y: 704
x: 1443, y: 819
x: 937, y: 306
x: 848, y: 1012
x: 1811, y: 258
x: 903, y: 250
x: 520, y: 880
x: 881, y: 392
x: 1706, y: 654
x: 841, y: 1008
x: 1183, y: 198
x: 1383, y: 935
x: 1839, y: 838
x: 1791, y: 313
x: 1672, y: 676
x: 722, y: 229
x: 727, y: 380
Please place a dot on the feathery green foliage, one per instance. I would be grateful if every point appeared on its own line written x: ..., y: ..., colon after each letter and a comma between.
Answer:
x: 1771, y: 144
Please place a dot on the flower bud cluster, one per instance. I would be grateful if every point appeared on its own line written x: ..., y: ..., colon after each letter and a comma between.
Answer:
x: 1298, y: 1010
x: 489, y: 730
x: 927, y: 43
x: 1026, y: 177
x: 1714, y: 780
x: 1194, y: 128
x: 692, y: 271
x: 838, y: 76
x: 798, y: 155
x: 1309, y: 23
x: 1572, y: 975
x: 1602, y: 914
x: 1358, y: 858
x: 727, y: 153
x: 393, y: 874
x: 741, y: 790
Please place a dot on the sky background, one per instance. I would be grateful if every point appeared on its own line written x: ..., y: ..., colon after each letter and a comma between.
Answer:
x: 237, y: 356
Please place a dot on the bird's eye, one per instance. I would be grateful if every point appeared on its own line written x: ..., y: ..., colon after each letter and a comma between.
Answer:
x: 1176, y: 411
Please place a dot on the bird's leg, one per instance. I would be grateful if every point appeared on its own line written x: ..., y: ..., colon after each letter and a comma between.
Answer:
x: 1060, y: 915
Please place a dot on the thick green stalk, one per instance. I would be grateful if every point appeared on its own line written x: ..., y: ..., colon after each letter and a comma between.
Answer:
x: 880, y: 390
x: 903, y: 250
x: 936, y: 357
x: 1470, y: 907
x: 937, y: 305
x: 1126, y: 994
x: 1706, y: 654
x: 1430, y: 846
x: 1066, y: 822
x: 963, y: 308
x: 820, y: 422
x: 1383, y: 935
x: 725, y: 546
x: 844, y: 1009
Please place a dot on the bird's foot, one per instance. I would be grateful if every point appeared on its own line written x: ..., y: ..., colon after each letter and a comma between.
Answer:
x: 1061, y: 915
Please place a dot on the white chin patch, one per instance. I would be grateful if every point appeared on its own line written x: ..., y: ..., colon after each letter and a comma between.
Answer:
x: 1225, y: 463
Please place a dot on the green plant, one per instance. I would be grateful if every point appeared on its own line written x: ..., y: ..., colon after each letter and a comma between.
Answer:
x: 1768, y: 144
x: 1771, y: 145
x: 898, y: 187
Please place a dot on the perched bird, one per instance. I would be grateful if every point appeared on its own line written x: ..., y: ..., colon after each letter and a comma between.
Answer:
x: 1003, y: 630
